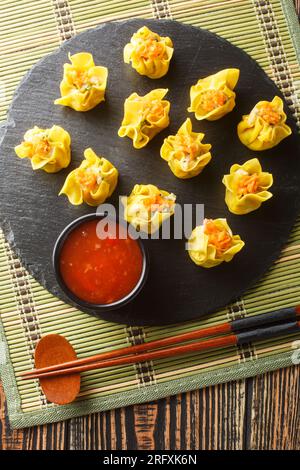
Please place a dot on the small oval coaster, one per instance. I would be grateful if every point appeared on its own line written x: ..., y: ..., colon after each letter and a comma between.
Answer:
x: 55, y: 349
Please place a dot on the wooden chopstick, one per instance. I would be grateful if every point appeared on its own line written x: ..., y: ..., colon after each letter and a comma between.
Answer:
x: 226, y: 327
x: 147, y: 356
x: 130, y: 350
x: 230, y: 340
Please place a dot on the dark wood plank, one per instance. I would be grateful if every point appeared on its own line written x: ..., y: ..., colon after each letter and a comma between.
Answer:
x: 48, y: 437
x: 9, y: 439
x: 203, y: 419
x: 212, y: 418
x: 101, y: 431
x: 273, y: 419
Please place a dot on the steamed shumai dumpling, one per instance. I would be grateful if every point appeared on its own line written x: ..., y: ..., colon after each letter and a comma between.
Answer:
x: 92, y: 182
x: 247, y: 187
x: 212, y: 243
x: 212, y: 97
x: 47, y: 149
x: 145, y: 116
x: 185, y: 153
x: 265, y: 126
x: 147, y: 207
x: 83, y: 85
x: 149, y: 53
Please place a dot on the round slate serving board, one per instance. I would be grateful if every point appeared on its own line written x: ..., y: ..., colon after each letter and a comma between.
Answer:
x: 32, y: 214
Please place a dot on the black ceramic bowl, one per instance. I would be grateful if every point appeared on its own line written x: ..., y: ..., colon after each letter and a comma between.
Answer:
x: 82, y: 303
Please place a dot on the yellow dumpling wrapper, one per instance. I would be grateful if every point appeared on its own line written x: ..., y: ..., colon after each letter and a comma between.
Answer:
x: 149, y: 53
x: 92, y: 182
x: 212, y: 243
x: 145, y: 116
x: 147, y: 207
x: 84, y: 83
x: 212, y: 97
x: 265, y: 126
x: 185, y: 153
x: 247, y: 187
x: 47, y: 149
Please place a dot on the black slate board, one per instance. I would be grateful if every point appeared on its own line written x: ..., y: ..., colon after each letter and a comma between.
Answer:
x: 33, y: 215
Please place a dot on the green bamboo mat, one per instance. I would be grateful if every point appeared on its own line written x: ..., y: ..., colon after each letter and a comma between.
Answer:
x: 269, y: 32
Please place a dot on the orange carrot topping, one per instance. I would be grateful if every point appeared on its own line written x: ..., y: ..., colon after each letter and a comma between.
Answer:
x: 156, y: 111
x: 269, y: 114
x: 248, y: 184
x: 186, y: 146
x: 150, y: 48
x: 42, y: 147
x: 86, y: 179
x: 220, y: 238
x: 157, y: 202
x: 80, y: 79
x: 212, y: 99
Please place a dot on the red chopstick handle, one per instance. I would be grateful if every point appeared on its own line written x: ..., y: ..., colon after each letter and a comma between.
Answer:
x: 223, y: 328
x: 147, y: 356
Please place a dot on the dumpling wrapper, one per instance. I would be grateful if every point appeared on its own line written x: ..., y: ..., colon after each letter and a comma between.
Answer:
x: 145, y: 116
x: 147, y: 207
x: 83, y: 85
x: 247, y: 187
x: 213, y: 243
x: 47, y: 149
x: 265, y: 126
x: 92, y: 182
x: 212, y: 97
x: 185, y: 153
x: 149, y: 53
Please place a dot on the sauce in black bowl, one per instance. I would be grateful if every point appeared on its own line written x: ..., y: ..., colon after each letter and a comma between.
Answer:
x: 98, y: 264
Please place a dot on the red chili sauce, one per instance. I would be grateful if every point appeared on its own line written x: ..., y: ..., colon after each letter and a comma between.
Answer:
x: 100, y: 271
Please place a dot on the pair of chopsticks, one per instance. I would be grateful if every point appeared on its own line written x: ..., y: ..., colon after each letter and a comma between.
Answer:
x: 237, y: 332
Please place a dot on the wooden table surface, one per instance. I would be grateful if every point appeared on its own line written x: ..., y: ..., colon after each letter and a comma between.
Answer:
x: 258, y: 413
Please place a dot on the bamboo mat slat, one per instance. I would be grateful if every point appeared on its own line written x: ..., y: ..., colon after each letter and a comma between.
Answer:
x: 267, y: 30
